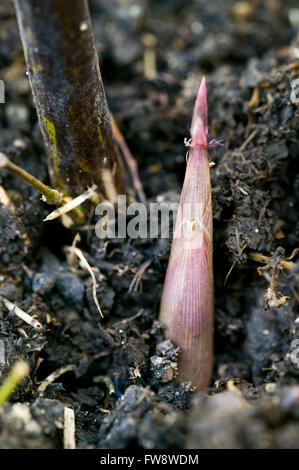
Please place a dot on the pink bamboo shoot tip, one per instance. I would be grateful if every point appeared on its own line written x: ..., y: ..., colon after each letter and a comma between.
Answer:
x: 187, y: 303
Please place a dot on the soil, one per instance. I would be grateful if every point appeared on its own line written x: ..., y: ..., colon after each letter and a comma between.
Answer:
x: 121, y: 379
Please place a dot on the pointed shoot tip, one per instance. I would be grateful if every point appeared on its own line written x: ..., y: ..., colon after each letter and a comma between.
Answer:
x: 199, y: 126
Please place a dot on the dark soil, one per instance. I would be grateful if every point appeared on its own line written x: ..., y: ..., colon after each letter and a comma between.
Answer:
x: 121, y: 376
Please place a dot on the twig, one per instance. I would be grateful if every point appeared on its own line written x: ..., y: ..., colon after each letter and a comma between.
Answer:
x: 71, y: 257
x: 127, y: 320
x: 71, y: 205
x: 137, y: 278
x: 149, y: 56
x: 233, y: 265
x: 249, y: 139
x: 13, y: 308
x: 130, y: 160
x: 57, y: 373
x: 69, y: 429
x: 266, y: 259
x: 49, y: 195
x: 85, y: 265
x: 2, y: 353
x: 4, y: 198
x: 106, y: 381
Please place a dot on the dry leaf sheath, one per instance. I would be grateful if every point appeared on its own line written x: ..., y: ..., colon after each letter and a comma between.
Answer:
x: 187, y: 302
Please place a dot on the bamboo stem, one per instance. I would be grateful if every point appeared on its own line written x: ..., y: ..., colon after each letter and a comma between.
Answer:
x: 69, y: 95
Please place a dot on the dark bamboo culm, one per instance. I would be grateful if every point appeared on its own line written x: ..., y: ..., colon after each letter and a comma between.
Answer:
x: 69, y: 96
